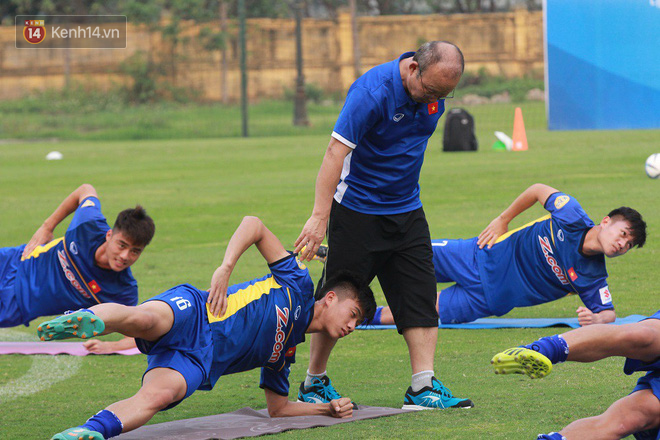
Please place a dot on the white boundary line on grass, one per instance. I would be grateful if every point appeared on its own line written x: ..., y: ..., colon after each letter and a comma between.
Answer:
x: 44, y: 372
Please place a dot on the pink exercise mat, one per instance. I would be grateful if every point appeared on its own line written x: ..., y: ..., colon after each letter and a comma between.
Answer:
x: 72, y: 348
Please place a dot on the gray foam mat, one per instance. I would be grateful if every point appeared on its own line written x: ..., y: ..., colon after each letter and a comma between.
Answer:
x: 245, y: 422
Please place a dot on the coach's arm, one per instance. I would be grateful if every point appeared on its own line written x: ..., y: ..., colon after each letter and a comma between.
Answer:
x: 587, y: 317
x: 45, y: 233
x: 281, y: 406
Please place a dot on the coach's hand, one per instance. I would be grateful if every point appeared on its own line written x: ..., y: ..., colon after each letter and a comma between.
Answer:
x: 341, y: 408
x: 493, y: 231
x: 42, y: 236
x: 217, y: 299
x: 311, y: 237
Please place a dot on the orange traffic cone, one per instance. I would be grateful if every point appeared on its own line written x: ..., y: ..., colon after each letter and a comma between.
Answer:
x: 519, y: 135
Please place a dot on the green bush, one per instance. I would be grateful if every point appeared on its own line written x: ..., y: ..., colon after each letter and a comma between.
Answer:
x: 485, y: 84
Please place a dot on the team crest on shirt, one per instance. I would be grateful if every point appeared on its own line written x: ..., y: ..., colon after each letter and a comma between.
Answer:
x: 296, y: 315
x: 88, y: 203
x: 398, y: 117
x: 605, y: 295
x: 282, y: 317
x: 73, y: 248
x: 561, y: 201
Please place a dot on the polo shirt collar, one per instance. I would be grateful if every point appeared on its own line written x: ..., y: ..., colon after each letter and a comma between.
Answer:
x: 400, y: 95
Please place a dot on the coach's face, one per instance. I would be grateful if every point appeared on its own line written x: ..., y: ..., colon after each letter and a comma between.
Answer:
x: 430, y: 85
x: 342, y: 315
x: 614, y: 237
x: 121, y: 251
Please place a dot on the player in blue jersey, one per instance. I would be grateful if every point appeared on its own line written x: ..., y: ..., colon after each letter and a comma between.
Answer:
x: 561, y: 253
x: 193, y: 337
x: 367, y: 198
x: 636, y: 414
x: 89, y: 265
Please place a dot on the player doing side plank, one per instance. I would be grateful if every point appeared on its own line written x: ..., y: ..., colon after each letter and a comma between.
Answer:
x: 89, y: 265
x: 542, y: 261
x: 193, y: 337
x: 636, y: 414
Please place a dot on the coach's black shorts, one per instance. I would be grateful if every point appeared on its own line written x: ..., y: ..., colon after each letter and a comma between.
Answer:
x: 396, y: 249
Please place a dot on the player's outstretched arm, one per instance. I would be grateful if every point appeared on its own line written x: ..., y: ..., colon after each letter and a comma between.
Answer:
x: 500, y: 224
x: 250, y: 231
x: 313, y: 232
x: 281, y: 406
x: 45, y: 232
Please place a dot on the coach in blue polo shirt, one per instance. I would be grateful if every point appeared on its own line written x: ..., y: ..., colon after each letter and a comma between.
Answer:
x: 375, y: 221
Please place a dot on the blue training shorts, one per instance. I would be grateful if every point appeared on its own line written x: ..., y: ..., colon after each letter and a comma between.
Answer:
x: 10, y: 313
x: 188, y: 346
x: 456, y: 261
x: 650, y: 381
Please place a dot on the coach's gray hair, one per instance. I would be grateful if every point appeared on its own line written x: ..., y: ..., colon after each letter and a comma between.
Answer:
x: 434, y: 52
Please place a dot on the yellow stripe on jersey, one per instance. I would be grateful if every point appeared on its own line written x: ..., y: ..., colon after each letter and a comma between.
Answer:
x: 42, y: 249
x: 508, y: 234
x: 242, y: 298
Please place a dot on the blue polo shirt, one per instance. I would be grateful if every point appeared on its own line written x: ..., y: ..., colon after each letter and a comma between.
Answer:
x: 388, y: 133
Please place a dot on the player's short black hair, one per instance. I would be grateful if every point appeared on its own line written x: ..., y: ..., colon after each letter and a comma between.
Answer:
x: 136, y: 225
x: 637, y: 224
x: 349, y: 284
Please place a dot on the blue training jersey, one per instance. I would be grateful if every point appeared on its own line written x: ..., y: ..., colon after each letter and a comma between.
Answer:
x: 62, y: 275
x: 266, y: 318
x: 388, y: 133
x: 543, y: 261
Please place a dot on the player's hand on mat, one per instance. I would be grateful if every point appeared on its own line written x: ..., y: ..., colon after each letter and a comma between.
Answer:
x: 98, y: 347
x: 311, y: 237
x: 493, y: 231
x: 218, y: 292
x: 585, y: 316
x: 341, y: 408
x: 42, y: 236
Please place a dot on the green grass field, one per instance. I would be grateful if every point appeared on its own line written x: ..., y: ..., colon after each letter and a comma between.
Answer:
x: 198, y: 191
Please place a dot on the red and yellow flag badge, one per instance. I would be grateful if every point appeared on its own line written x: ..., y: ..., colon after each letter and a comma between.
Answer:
x: 572, y: 275
x: 433, y: 108
x: 290, y: 352
x: 94, y: 286
x: 34, y: 31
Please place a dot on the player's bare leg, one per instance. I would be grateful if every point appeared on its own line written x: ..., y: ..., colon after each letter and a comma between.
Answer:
x: 634, y: 413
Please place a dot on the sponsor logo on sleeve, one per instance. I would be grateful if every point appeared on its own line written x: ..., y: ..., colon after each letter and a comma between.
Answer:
x: 296, y: 315
x: 605, y: 295
x: 282, y: 317
x: 560, y: 235
x: 87, y: 203
x: 398, y: 117
x: 551, y: 260
x: 561, y: 201
x: 73, y: 248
